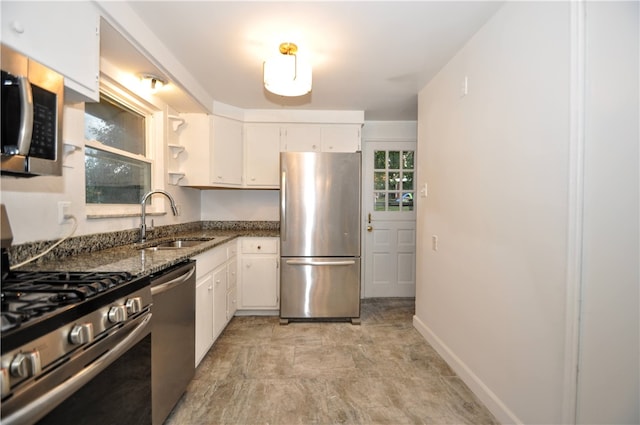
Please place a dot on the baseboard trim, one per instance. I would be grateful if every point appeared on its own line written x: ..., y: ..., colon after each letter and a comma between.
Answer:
x: 490, y: 400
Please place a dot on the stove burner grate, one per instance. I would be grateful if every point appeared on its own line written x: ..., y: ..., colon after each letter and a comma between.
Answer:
x: 27, y: 295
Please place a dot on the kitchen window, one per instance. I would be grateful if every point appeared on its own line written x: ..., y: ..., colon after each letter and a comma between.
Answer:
x: 119, y: 153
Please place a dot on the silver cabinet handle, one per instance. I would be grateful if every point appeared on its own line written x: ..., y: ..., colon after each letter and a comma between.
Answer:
x: 320, y: 263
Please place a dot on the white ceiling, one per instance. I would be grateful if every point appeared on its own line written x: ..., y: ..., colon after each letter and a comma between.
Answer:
x: 371, y: 56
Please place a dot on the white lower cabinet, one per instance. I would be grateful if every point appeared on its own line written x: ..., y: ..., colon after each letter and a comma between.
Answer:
x: 215, y: 270
x: 258, y: 287
x: 219, y: 300
x: 232, y: 285
x: 204, y: 315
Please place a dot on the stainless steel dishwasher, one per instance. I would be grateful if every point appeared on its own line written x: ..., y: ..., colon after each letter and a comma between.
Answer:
x: 172, y: 337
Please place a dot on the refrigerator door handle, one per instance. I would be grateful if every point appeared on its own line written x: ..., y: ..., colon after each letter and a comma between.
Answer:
x: 320, y: 263
x: 283, y: 203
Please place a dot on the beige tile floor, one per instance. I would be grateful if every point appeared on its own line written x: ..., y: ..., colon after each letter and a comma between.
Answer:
x: 381, y: 372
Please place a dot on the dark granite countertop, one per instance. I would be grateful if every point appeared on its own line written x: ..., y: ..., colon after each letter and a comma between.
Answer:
x: 140, y: 262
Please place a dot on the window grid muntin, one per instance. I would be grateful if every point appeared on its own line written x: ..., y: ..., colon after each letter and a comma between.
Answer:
x: 393, y: 180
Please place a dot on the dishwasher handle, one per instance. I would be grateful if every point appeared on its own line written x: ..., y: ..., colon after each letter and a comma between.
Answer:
x: 158, y: 286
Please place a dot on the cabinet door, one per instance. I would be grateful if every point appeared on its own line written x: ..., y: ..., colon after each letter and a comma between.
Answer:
x: 226, y: 161
x: 301, y: 138
x: 62, y: 36
x: 195, y: 136
x: 232, y: 303
x: 219, y: 300
x: 262, y: 155
x: 340, y: 138
x: 259, y: 282
x: 204, y: 316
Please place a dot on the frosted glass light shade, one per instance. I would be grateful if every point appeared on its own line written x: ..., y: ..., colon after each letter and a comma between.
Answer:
x: 287, y: 75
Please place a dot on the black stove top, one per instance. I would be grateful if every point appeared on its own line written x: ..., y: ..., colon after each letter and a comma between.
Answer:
x: 27, y: 296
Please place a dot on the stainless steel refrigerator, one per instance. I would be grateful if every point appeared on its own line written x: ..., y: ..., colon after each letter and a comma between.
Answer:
x: 320, y: 235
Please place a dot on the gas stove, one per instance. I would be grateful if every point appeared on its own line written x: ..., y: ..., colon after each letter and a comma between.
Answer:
x: 36, y: 303
x: 60, y: 328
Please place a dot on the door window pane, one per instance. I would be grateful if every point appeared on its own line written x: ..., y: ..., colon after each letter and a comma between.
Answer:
x: 394, y: 160
x: 379, y: 201
x: 394, y: 181
x: 379, y: 160
x: 407, y: 160
x: 379, y: 180
x: 406, y: 203
x: 407, y: 180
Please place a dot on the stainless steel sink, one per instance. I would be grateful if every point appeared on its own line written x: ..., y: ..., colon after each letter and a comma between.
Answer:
x: 177, y: 244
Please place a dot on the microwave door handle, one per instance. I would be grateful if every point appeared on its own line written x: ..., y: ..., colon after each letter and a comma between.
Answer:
x: 26, y: 120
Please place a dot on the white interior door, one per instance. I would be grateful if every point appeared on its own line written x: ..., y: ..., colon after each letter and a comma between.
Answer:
x: 388, y: 194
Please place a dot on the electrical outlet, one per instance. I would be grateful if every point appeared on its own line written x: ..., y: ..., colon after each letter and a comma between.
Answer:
x: 64, y: 210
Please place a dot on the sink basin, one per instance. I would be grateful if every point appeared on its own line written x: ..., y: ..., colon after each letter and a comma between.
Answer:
x: 180, y: 243
x: 177, y: 244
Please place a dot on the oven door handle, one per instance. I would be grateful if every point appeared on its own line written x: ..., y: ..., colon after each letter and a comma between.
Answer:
x: 39, y: 407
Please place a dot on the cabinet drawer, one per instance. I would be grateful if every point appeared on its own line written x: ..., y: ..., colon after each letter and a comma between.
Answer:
x: 209, y: 260
x: 260, y: 245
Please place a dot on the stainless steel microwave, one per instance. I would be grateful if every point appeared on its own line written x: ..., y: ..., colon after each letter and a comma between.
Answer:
x: 31, y: 123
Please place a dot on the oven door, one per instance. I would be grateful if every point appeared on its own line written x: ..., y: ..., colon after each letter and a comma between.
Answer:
x: 108, y: 383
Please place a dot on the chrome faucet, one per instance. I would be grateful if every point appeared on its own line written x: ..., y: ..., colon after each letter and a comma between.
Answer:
x: 143, y: 225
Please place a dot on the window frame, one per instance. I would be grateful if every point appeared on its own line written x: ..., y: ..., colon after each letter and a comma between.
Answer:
x: 154, y: 132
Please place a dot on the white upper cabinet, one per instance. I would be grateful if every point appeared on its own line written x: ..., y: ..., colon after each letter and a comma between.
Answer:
x: 212, y: 153
x: 320, y: 138
x: 301, y: 138
x: 262, y: 155
x: 227, y: 152
x: 65, y: 39
x: 340, y: 138
x: 195, y: 160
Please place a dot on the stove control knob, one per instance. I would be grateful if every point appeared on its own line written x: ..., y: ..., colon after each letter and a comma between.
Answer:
x: 117, y: 314
x: 81, y: 334
x: 25, y: 365
x: 134, y: 305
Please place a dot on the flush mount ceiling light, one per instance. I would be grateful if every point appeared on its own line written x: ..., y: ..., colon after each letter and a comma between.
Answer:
x: 287, y: 74
x: 152, y: 82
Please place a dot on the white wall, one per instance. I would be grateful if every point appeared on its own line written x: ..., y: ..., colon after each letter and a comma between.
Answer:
x: 492, y: 298
x: 32, y: 203
x: 240, y: 205
x: 608, y: 390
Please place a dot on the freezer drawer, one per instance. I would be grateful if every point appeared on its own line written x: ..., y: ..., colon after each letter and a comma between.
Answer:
x: 317, y: 287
